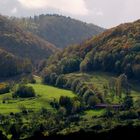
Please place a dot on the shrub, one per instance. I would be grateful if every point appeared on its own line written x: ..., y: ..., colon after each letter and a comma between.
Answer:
x: 128, y: 102
x: 46, y: 76
x: 76, y: 105
x: 54, y: 103
x: 137, y: 104
x: 53, y: 78
x: 4, y: 88
x: 5, y: 99
x: 108, y: 113
x: 32, y: 80
x: 136, y: 47
x: 28, y: 79
x: 24, y: 91
x: 23, y: 109
x: 62, y: 111
x: 66, y: 102
x: 93, y: 100
x: 131, y: 114
x: 46, y: 79
x: 136, y: 70
x: 74, y: 118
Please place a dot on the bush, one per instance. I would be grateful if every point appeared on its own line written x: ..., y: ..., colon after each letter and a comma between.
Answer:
x: 28, y: 79
x: 131, y: 114
x: 136, y: 70
x: 93, y: 100
x: 66, y: 102
x: 128, y: 102
x: 24, y: 91
x: 46, y: 76
x: 5, y: 99
x: 53, y: 78
x: 54, y: 103
x: 32, y: 81
x: 23, y: 109
x: 108, y: 113
x: 74, y: 118
x: 62, y: 111
x: 4, y: 88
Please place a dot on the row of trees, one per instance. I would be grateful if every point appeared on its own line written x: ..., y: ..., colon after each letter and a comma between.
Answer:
x: 88, y: 93
x: 116, y: 88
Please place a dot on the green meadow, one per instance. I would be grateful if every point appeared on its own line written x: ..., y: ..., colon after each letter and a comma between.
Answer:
x: 44, y: 94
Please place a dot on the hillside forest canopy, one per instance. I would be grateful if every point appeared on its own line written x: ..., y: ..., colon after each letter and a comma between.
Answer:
x: 90, y: 88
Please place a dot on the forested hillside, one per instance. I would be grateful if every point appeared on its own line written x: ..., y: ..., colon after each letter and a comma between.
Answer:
x: 59, y: 30
x: 11, y: 65
x: 21, y: 43
x: 117, y: 50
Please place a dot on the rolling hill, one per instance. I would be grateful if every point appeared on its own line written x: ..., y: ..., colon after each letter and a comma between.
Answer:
x: 23, y: 44
x: 59, y: 30
x: 116, y: 50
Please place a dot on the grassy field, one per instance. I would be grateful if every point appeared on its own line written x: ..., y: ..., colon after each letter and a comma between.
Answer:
x: 89, y: 114
x: 44, y: 93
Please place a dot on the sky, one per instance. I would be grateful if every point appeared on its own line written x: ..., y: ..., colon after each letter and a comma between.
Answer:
x: 105, y: 13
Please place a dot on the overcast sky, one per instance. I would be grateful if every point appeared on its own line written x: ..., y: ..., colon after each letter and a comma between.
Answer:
x: 105, y: 13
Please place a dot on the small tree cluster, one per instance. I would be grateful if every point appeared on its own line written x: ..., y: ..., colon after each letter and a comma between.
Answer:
x: 69, y: 105
x: 24, y: 91
x: 118, y: 86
